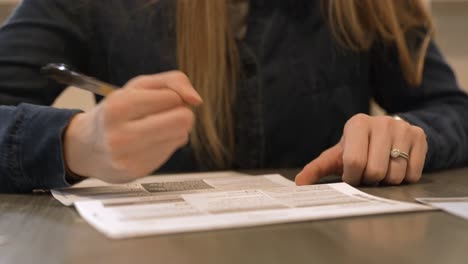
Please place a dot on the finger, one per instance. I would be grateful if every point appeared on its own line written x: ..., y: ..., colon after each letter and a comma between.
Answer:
x: 138, y: 103
x: 142, y: 161
x: 355, y: 149
x: 156, y: 156
x: 151, y: 131
x: 418, y: 156
x: 329, y: 162
x: 174, y: 80
x: 174, y: 123
x: 378, y: 158
x: 397, y: 166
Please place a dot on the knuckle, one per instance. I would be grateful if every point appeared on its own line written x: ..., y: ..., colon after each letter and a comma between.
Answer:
x: 361, y: 116
x: 357, y: 119
x: 114, y: 106
x: 413, y: 178
x: 178, y: 75
x: 387, y: 122
x: 382, y: 119
x: 386, y: 126
x: 405, y: 127
x: 354, y: 162
x: 382, y: 123
x: 394, y: 180
x: 186, y: 118
x: 400, y: 129
x: 169, y: 95
x: 375, y: 174
x: 415, y: 172
x: 419, y: 133
x: 136, y: 81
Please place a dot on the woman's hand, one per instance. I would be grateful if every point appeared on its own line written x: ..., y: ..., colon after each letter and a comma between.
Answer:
x: 134, y: 130
x: 363, y: 156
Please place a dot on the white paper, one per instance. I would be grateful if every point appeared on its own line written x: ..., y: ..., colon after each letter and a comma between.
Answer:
x: 454, y: 205
x: 92, y: 189
x: 195, y: 202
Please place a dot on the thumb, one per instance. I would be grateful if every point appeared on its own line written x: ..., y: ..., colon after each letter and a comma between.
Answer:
x: 329, y: 162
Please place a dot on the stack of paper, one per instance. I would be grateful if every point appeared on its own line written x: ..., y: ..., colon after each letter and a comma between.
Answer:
x: 208, y: 201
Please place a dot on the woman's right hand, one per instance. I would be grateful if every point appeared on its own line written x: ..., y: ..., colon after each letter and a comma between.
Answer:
x: 134, y: 130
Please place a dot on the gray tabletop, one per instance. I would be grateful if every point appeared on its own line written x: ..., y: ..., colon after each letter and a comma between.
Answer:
x: 38, y: 229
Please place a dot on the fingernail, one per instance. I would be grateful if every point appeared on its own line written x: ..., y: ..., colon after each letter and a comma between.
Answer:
x: 199, y: 98
x: 195, y: 99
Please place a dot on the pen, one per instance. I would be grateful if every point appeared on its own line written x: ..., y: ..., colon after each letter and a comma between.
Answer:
x: 63, y: 74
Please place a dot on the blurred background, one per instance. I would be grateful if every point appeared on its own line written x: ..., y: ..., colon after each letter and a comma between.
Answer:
x: 450, y: 17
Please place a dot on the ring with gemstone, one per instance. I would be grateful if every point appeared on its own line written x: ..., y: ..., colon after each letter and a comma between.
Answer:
x: 396, y: 153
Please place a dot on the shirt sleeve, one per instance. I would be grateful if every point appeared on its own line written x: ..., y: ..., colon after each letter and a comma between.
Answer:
x: 31, y: 147
x: 438, y: 105
x: 39, y: 32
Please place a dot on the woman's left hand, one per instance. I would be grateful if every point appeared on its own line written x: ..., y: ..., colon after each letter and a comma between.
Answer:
x: 373, y: 149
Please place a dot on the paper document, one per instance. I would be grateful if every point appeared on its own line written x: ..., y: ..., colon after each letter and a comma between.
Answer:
x: 92, y: 189
x: 454, y: 205
x: 209, y: 201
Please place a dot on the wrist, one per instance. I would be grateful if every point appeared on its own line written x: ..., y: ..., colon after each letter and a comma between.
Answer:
x: 75, y: 153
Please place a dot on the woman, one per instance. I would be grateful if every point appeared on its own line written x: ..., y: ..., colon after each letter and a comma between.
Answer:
x: 281, y: 82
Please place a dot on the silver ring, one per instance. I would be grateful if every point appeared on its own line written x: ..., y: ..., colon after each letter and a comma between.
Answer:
x: 396, y: 153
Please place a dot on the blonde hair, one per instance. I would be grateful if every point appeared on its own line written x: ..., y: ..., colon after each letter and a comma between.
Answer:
x: 207, y: 53
x: 357, y: 24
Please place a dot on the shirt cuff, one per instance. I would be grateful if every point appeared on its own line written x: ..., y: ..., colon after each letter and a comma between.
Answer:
x: 41, y: 146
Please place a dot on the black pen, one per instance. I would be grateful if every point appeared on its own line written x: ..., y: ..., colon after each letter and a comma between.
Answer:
x: 63, y: 74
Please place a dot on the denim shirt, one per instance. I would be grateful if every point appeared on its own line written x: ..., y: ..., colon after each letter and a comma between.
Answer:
x: 297, y: 90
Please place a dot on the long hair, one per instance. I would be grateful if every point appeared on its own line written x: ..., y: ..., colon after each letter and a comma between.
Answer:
x: 207, y: 53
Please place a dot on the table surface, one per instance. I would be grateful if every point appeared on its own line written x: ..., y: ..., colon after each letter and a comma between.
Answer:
x: 38, y: 229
